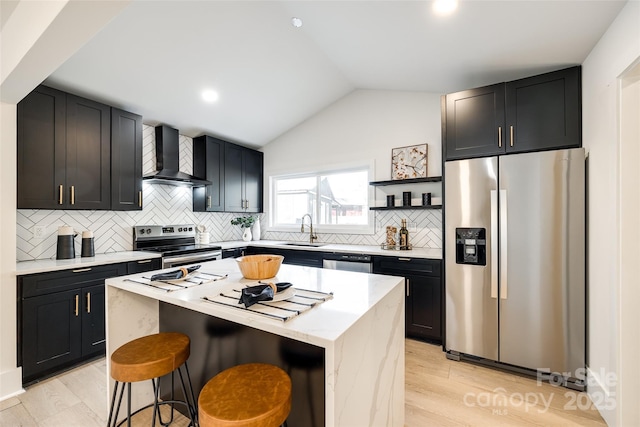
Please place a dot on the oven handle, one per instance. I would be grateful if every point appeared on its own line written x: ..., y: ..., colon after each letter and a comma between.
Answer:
x: 192, y: 257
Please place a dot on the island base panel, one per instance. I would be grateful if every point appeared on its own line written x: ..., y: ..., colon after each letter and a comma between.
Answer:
x: 217, y: 344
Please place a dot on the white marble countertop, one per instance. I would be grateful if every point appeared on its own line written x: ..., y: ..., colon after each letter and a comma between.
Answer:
x: 47, y: 265
x: 429, y: 253
x: 354, y: 294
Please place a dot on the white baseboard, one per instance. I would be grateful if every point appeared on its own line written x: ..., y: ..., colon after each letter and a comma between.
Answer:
x: 10, y: 383
x: 601, y: 396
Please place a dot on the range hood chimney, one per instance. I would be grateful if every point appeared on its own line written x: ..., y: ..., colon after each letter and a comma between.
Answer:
x: 168, y: 160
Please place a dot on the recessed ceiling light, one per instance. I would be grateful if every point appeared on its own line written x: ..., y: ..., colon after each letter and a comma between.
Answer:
x: 210, y: 95
x: 444, y: 7
x: 296, y: 22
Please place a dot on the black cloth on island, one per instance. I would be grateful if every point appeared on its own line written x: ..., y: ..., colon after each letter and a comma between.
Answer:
x: 255, y: 294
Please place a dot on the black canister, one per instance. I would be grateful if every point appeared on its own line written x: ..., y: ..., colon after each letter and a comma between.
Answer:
x: 426, y: 199
x: 391, y: 201
x: 406, y: 198
x: 66, y: 245
x: 88, y: 249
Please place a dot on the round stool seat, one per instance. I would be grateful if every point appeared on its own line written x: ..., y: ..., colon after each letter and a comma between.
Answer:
x: 149, y: 357
x: 251, y: 395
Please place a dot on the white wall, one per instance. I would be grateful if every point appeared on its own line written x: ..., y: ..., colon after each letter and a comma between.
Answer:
x: 615, y: 52
x: 35, y: 39
x: 364, y: 126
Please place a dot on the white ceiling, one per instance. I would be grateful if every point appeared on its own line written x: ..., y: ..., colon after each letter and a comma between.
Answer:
x: 156, y: 57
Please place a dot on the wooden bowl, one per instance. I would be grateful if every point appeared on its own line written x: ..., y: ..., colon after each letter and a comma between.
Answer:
x: 258, y: 267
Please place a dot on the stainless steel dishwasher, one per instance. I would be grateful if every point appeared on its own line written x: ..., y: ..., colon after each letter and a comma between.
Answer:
x: 347, y: 262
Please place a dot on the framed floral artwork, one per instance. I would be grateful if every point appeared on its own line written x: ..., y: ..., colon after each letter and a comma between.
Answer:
x: 409, y: 162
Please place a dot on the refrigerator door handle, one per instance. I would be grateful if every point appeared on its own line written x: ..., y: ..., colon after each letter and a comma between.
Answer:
x: 503, y: 244
x: 494, y: 244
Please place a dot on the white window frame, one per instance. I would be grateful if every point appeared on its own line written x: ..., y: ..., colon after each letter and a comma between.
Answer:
x: 324, y: 228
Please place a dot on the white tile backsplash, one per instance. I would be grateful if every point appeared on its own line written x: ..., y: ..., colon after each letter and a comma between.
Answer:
x: 166, y: 204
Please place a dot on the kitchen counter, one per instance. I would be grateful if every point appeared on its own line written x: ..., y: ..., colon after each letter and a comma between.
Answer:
x: 429, y: 253
x: 47, y: 265
x: 361, y: 330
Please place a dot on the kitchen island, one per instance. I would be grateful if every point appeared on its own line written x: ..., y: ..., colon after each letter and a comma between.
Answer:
x: 359, y: 332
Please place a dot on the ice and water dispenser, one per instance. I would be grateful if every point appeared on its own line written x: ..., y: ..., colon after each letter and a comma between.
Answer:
x: 471, y: 246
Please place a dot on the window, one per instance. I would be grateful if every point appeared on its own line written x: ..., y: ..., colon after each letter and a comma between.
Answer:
x: 338, y: 201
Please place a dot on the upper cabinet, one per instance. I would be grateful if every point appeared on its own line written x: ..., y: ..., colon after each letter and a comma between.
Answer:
x: 208, y: 163
x: 126, y: 161
x: 236, y: 175
x: 65, y: 152
x: 243, y: 179
x: 536, y: 113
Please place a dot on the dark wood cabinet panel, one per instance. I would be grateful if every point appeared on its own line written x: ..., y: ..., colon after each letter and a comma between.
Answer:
x: 233, y: 179
x: 209, y: 163
x: 475, y: 122
x: 423, y: 293
x: 61, y: 318
x: 93, y: 321
x: 291, y: 256
x: 143, y: 265
x: 41, y: 149
x: 536, y: 113
x: 544, y: 112
x: 126, y: 161
x: 50, y: 331
x: 88, y: 165
x: 233, y: 252
x: 243, y: 179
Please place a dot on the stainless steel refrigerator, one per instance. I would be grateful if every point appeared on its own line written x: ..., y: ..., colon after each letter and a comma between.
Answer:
x: 515, y: 260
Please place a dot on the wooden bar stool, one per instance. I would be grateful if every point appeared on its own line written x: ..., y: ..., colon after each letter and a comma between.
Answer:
x: 149, y: 358
x: 251, y: 395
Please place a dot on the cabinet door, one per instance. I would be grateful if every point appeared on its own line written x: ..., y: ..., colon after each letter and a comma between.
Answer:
x: 233, y: 179
x: 93, y: 320
x: 50, y: 333
x: 209, y: 163
x: 88, y: 154
x: 474, y: 122
x: 143, y: 265
x: 544, y: 111
x: 423, y: 307
x: 253, y: 166
x: 41, y: 149
x: 126, y: 161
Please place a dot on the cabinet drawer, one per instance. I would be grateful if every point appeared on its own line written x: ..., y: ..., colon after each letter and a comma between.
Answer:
x: 46, y: 283
x: 401, y: 265
x: 143, y: 265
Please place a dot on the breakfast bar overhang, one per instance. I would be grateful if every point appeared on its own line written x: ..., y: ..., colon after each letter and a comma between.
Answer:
x: 360, y: 328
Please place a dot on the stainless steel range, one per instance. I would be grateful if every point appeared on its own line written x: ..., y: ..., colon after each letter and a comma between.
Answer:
x: 177, y: 243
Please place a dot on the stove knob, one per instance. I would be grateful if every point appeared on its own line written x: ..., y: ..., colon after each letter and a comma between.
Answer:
x: 180, y: 230
x: 148, y: 231
x: 142, y: 231
x: 190, y: 228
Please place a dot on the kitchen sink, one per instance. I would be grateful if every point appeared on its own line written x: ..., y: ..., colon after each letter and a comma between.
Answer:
x: 313, y: 245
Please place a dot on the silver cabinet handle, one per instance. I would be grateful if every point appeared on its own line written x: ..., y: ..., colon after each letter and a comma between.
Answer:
x: 209, y: 202
x: 408, y: 287
x: 73, y: 194
x: 139, y: 199
x: 144, y: 261
x: 404, y: 259
x: 88, y: 302
x: 77, y: 298
x: 494, y: 244
x: 82, y: 270
x: 60, y: 193
x: 500, y: 136
x: 503, y: 244
x: 511, y: 132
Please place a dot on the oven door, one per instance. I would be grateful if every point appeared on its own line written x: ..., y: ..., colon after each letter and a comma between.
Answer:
x: 185, y: 259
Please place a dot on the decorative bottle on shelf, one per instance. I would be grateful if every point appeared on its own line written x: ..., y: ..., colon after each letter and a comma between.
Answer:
x: 404, y: 236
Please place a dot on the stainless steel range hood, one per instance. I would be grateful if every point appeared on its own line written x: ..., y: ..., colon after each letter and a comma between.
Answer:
x: 168, y: 160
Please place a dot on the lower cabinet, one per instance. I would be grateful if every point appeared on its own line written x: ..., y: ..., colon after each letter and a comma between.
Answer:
x: 423, y: 293
x: 61, y: 318
x: 291, y: 256
x: 142, y: 265
x: 233, y: 252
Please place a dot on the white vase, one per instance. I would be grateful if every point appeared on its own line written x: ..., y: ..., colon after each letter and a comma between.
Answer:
x: 255, y: 230
x: 246, y: 234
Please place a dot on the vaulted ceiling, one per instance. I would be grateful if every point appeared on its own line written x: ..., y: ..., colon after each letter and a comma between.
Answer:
x: 156, y: 57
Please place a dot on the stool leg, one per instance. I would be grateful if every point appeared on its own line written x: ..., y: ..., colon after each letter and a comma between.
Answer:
x: 190, y: 406
x: 156, y: 407
x: 113, y: 402
x: 128, y: 404
x: 193, y: 396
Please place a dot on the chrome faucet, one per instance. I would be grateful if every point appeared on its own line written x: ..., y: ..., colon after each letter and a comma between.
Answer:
x: 312, y: 236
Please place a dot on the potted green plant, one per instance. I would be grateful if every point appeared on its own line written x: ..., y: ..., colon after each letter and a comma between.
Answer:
x: 245, y: 222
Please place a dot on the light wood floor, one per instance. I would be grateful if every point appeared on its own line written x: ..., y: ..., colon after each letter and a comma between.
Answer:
x: 439, y: 392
